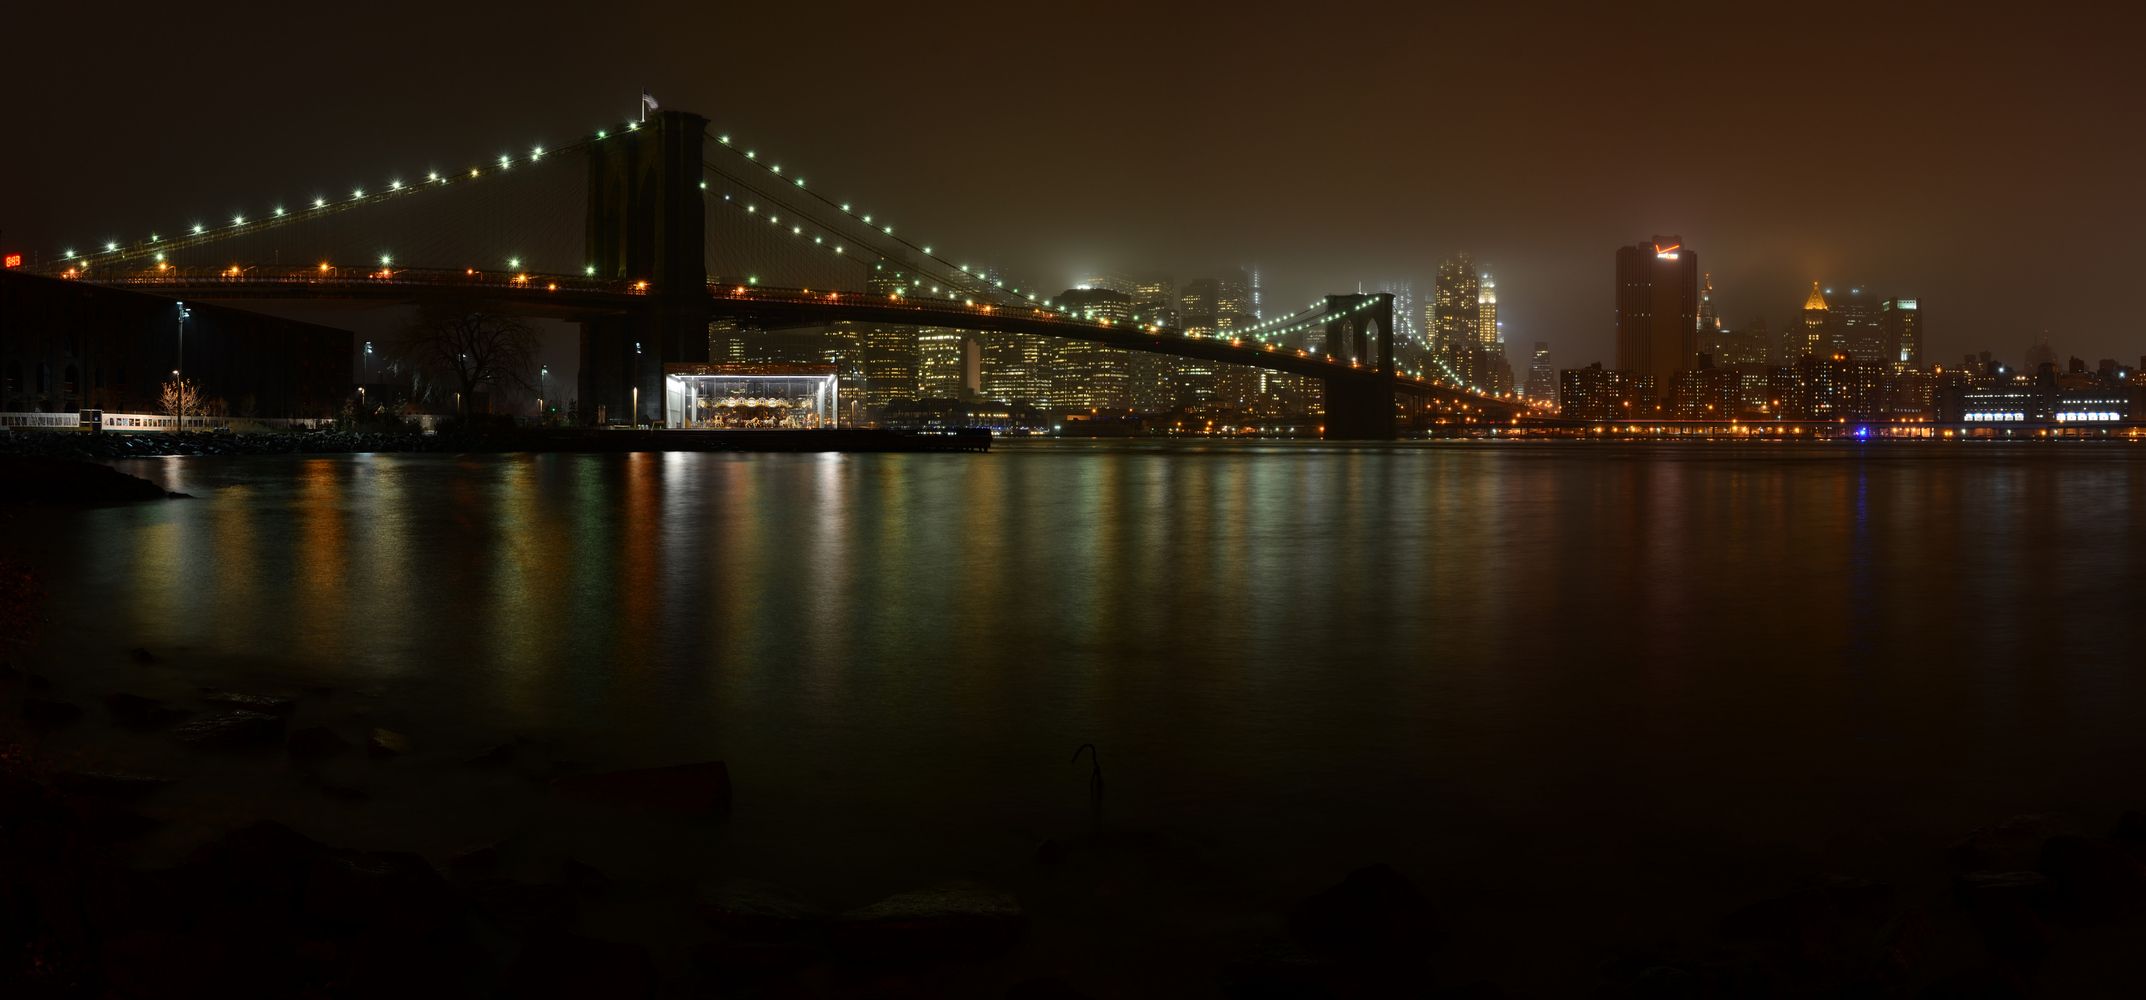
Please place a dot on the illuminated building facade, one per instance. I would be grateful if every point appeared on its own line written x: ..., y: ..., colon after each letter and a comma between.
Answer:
x: 1542, y: 379
x: 1657, y: 308
x: 1814, y: 335
x: 890, y: 363
x: 1088, y: 375
x: 888, y: 353
x: 1596, y: 393
x: 1901, y: 323
x: 1456, y: 310
x: 1017, y: 368
x: 940, y: 367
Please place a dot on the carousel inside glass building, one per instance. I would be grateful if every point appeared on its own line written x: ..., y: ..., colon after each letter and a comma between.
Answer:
x: 749, y: 397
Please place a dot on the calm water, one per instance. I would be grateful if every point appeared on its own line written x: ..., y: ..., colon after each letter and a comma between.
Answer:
x: 1512, y: 664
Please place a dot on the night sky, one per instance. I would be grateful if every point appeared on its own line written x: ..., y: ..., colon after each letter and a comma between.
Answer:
x: 1985, y: 159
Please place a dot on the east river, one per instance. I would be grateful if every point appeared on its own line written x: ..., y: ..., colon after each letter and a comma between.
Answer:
x: 1539, y: 678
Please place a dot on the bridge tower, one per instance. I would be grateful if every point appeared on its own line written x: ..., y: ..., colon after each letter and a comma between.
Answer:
x: 1359, y: 403
x: 646, y: 223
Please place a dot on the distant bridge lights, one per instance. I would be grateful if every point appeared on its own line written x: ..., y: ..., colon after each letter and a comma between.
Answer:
x: 320, y: 203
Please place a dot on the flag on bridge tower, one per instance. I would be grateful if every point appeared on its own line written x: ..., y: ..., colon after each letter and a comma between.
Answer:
x: 648, y: 104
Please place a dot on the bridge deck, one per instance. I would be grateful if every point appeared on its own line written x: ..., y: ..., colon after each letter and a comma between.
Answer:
x: 571, y: 297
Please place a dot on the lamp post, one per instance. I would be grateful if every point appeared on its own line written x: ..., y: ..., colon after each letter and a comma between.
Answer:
x: 177, y: 373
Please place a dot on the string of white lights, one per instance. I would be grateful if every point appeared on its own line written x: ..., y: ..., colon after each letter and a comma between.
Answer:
x: 984, y: 284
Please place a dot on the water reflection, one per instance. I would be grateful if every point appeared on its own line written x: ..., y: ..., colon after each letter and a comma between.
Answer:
x: 1326, y: 646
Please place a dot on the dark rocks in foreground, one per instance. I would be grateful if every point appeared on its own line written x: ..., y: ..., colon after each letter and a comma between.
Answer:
x: 124, y: 785
x: 231, y: 730
x: 54, y: 479
x: 679, y: 788
x: 138, y: 712
x: 756, y: 909
x: 1375, y: 910
x: 956, y: 920
x: 315, y: 743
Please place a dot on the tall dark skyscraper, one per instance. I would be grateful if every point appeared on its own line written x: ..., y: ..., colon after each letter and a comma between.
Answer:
x: 1542, y: 378
x: 1901, y: 320
x: 1657, y: 308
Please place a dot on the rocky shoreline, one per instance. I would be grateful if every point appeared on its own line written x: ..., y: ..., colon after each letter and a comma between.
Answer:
x: 2025, y: 907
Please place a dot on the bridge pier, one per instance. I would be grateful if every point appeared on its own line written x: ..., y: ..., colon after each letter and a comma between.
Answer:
x: 1360, y: 408
x: 646, y: 227
x: 1359, y: 405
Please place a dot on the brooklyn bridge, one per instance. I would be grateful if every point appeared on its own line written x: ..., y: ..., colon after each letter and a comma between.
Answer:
x: 680, y: 226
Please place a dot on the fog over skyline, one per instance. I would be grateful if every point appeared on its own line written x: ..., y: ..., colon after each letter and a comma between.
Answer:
x: 1969, y: 156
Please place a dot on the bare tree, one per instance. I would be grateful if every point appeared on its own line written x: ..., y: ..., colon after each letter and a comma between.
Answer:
x: 181, y: 397
x: 464, y: 344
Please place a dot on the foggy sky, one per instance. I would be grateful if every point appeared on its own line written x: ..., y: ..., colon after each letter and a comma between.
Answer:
x: 1980, y: 158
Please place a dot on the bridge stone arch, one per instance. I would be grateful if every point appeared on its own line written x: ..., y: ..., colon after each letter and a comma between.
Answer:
x: 1360, y: 402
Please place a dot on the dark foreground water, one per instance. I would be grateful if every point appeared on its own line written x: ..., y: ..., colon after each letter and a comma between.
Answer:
x: 1580, y: 688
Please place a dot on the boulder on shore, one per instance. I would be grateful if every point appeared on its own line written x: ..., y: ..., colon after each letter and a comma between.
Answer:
x: 955, y: 920
x: 315, y: 742
x: 1374, y: 910
x: 231, y: 730
x: 109, y: 784
x: 679, y: 788
x: 39, y: 479
x: 138, y: 712
x: 755, y: 909
x: 386, y: 743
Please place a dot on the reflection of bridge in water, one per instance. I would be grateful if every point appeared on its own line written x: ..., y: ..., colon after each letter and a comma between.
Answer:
x: 645, y: 296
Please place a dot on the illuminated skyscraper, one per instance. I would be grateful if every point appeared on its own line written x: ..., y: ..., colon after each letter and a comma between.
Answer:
x: 1123, y: 284
x: 939, y: 363
x: 1901, y: 319
x: 1155, y: 298
x: 1016, y: 368
x: 1814, y: 335
x: 1456, y: 311
x: 1657, y: 309
x: 1150, y: 384
x: 889, y: 352
x: 1088, y: 375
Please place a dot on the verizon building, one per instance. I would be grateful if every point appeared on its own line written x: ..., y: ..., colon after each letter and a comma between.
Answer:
x: 1658, y: 309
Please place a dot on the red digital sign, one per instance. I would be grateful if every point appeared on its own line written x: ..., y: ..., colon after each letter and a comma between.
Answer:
x: 13, y: 260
